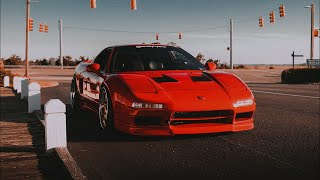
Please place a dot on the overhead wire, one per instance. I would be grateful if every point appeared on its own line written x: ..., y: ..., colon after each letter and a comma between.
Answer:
x: 168, y: 32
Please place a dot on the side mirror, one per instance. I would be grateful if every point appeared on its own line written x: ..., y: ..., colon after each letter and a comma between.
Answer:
x: 210, y: 66
x: 93, y: 68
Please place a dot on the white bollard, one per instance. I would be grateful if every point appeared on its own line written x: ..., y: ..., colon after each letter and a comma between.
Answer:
x: 18, y: 83
x: 34, y: 97
x: 6, y: 81
x: 24, y: 88
x: 55, y: 124
x: 15, y: 80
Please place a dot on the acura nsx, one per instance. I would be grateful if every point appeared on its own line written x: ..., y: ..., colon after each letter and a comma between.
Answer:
x: 152, y: 89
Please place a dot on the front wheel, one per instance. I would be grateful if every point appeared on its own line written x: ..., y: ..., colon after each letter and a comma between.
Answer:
x: 74, y: 96
x: 105, y: 110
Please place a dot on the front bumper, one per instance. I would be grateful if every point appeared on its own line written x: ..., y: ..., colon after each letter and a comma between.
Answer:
x: 168, y: 129
x: 191, y: 129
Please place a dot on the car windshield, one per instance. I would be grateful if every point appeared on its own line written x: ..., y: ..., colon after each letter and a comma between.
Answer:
x: 153, y: 58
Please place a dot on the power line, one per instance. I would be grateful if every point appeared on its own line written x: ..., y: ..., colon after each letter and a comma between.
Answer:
x: 168, y: 32
x: 143, y: 32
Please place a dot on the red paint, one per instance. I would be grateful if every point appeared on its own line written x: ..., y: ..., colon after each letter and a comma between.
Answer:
x: 207, y: 94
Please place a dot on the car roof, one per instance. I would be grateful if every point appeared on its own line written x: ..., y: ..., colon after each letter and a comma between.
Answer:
x: 128, y: 45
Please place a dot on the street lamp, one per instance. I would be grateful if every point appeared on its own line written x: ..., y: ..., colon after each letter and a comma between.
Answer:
x: 312, y: 29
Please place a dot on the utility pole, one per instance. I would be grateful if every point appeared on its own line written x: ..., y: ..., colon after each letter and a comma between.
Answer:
x: 60, y: 33
x: 26, y: 74
x: 231, y: 37
x: 312, y: 31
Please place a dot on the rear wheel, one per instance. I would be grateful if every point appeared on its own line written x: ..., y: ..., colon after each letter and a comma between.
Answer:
x: 105, y: 110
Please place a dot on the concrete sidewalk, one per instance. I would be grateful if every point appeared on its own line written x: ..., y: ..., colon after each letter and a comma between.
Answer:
x: 22, y: 137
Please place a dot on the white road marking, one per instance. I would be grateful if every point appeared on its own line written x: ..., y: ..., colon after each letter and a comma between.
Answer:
x: 284, y: 94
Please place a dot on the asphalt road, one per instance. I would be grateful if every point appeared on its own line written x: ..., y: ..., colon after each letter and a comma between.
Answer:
x: 284, y: 143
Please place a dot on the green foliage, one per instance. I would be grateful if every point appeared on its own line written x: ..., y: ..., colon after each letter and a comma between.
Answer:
x: 44, y: 62
x: 305, y: 75
x: 223, y: 66
x: 13, y: 60
x: 210, y: 60
x: 4, y: 73
x: 67, y: 61
x: 240, y: 67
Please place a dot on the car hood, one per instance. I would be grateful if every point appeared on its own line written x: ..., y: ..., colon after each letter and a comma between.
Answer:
x: 170, y: 81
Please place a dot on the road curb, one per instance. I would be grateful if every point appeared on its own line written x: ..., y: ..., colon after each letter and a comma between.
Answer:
x: 65, y: 156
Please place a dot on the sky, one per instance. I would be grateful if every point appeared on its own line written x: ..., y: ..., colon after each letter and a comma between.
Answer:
x: 272, y: 44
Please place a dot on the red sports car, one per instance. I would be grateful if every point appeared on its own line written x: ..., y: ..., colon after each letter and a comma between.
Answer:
x: 160, y: 90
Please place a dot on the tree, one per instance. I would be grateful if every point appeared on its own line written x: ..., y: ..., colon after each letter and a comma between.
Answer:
x: 13, y: 60
x: 38, y: 62
x: 68, y: 58
x: 200, y: 57
x: 44, y: 62
x: 82, y: 58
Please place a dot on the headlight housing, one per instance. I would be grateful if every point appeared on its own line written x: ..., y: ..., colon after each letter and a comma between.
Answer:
x: 241, y: 103
x: 147, y: 105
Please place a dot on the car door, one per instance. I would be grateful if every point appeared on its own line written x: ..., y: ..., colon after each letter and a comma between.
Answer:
x: 92, y: 81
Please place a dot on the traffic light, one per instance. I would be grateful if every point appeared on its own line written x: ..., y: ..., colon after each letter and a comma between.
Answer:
x: 261, y: 22
x: 316, y: 33
x: 30, y: 24
x: 282, y: 11
x: 133, y: 5
x: 40, y: 27
x: 157, y: 36
x: 272, y: 17
x: 46, y: 28
x: 180, y: 35
x: 93, y: 4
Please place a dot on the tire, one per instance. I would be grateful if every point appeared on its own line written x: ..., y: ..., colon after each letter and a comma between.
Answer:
x: 74, y: 96
x: 105, y: 110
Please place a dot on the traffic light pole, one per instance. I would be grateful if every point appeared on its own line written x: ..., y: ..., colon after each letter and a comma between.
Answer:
x: 231, y: 37
x: 60, y: 34
x: 27, y: 39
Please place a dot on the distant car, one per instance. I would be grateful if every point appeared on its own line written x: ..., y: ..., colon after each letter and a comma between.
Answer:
x: 160, y: 90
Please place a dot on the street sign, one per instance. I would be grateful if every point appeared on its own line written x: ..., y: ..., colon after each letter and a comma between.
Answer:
x: 313, y: 62
x: 293, y: 56
x: 298, y: 55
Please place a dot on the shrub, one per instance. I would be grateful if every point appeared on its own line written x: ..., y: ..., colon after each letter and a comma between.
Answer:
x: 240, y: 67
x: 223, y: 66
x: 4, y: 73
x: 305, y: 75
x: 271, y: 67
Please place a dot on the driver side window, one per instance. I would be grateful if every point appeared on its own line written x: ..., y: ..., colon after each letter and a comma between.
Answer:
x: 102, y: 59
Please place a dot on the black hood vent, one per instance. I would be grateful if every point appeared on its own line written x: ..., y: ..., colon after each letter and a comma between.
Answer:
x: 201, y: 78
x: 164, y: 78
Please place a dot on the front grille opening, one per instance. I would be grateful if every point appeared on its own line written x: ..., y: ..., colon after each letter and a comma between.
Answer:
x: 244, y: 116
x: 147, y: 121
x: 219, y: 121
x: 202, y: 114
x: 200, y: 117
